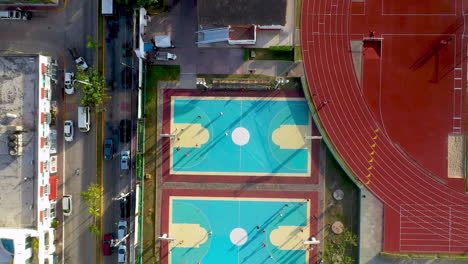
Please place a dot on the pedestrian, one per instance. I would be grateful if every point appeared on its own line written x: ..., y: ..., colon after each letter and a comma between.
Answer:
x: 197, y: 145
x: 264, y: 245
x: 178, y: 148
x: 199, y: 116
x: 264, y: 231
x: 187, y: 154
x: 226, y: 134
x: 258, y: 227
x: 221, y: 113
x: 372, y: 34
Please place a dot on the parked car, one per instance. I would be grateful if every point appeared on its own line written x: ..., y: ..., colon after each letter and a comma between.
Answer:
x: 106, y: 245
x: 15, y: 14
x: 122, y: 253
x: 67, y: 205
x: 108, y: 149
x: 122, y: 230
x: 124, y: 159
x: 164, y: 56
x: 68, y: 130
x: 125, y: 207
x: 81, y: 63
x: 125, y: 130
x: 69, y: 76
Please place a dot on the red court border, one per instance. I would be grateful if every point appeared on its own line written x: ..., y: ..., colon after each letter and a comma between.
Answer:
x: 167, y: 176
x: 167, y: 193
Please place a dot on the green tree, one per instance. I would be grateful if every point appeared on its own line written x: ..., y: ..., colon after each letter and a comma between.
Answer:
x: 139, y: 3
x: 337, y: 245
x: 94, y: 229
x: 93, y: 85
x: 93, y: 198
x: 91, y: 43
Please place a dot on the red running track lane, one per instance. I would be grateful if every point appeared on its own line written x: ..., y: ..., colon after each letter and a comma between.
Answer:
x: 417, y: 104
x: 411, y: 195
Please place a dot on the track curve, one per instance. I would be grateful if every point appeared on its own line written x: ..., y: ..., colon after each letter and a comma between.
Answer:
x: 422, y: 214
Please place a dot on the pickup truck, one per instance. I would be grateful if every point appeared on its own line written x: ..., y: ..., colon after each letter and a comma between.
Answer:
x: 15, y: 14
x: 164, y: 56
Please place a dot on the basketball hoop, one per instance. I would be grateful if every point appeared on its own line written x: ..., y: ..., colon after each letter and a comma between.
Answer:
x: 164, y: 237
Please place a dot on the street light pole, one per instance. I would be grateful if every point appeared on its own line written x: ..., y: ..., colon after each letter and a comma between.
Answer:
x: 83, y: 82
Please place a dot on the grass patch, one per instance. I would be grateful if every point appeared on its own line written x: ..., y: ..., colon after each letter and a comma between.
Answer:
x: 423, y: 255
x: 346, y: 210
x: 298, y: 53
x: 298, y: 13
x: 153, y: 74
x: 161, y: 73
x: 273, y: 54
x: 246, y: 54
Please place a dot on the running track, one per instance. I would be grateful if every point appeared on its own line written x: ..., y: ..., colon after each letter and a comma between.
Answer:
x: 422, y: 214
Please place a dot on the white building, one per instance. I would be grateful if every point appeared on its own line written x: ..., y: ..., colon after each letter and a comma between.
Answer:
x: 28, y: 191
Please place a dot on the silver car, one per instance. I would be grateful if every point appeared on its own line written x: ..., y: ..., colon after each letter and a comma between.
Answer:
x: 67, y: 205
x: 122, y: 253
x: 68, y: 130
x: 69, y: 76
x: 81, y: 63
x: 124, y: 160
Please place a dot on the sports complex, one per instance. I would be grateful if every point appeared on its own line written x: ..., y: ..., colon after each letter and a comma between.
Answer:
x: 385, y: 90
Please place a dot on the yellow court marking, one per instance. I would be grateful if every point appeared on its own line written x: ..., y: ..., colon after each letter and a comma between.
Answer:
x: 194, y: 135
x: 188, y: 235
x: 291, y: 137
x: 206, y: 198
x: 189, y: 135
x: 290, y: 237
x: 192, y: 235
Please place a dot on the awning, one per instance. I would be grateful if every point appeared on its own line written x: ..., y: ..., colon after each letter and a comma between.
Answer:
x: 53, y: 181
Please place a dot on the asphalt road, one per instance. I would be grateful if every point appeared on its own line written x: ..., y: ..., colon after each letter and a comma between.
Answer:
x: 52, y: 33
x: 119, y: 107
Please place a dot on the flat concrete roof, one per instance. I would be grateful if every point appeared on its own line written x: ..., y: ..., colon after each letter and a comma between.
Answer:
x: 18, y: 93
x: 222, y: 13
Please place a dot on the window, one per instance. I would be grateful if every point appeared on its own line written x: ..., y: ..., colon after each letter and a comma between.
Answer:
x: 46, y: 240
x: 46, y: 189
x: 28, y: 242
x: 46, y: 214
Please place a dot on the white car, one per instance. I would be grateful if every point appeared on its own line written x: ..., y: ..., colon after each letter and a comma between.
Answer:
x: 81, y: 63
x: 122, y: 230
x: 124, y: 159
x: 122, y: 253
x: 68, y: 130
x: 69, y: 76
x: 67, y: 205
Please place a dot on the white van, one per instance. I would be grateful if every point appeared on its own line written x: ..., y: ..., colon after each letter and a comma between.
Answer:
x: 83, y: 118
x: 67, y: 205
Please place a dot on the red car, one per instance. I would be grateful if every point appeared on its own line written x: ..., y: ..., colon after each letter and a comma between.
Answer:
x: 106, y: 245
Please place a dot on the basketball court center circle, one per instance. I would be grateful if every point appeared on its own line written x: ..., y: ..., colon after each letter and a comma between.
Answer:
x: 238, y: 236
x: 240, y: 136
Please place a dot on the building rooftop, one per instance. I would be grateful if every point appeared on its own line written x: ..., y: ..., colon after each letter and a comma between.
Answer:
x: 18, y: 90
x: 222, y: 13
x: 242, y: 32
